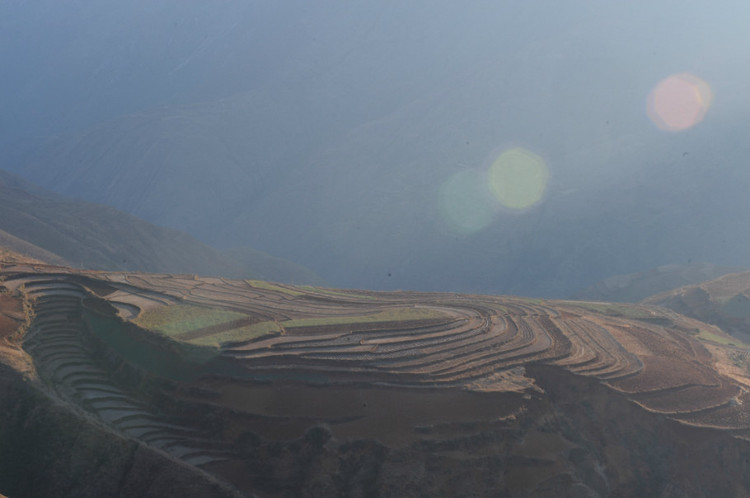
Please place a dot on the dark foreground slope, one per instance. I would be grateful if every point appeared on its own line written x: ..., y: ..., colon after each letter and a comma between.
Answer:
x: 50, y: 450
x: 53, y: 449
x: 301, y: 391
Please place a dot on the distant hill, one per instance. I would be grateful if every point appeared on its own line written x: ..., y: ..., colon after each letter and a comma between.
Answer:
x: 724, y: 302
x: 51, y: 228
x: 634, y: 287
x: 13, y: 248
x: 12, y: 257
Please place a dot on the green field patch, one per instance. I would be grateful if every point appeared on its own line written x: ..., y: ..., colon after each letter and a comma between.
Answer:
x: 387, y: 315
x: 157, y: 354
x: 238, y: 335
x: 202, y: 326
x: 614, y: 309
x: 182, y: 318
x: 707, y: 335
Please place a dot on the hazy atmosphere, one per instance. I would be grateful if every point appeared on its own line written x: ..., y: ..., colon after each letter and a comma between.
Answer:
x: 493, y: 147
x: 374, y: 249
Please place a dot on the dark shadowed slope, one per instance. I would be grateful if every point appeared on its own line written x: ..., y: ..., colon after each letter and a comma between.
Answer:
x: 52, y: 228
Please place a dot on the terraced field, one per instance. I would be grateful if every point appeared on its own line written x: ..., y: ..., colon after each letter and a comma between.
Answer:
x: 276, y: 360
x: 66, y: 359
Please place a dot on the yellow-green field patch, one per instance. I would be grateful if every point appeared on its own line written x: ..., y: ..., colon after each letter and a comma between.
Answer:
x: 181, y: 318
x: 707, y: 335
x: 203, y: 326
x: 387, y: 315
x: 613, y: 309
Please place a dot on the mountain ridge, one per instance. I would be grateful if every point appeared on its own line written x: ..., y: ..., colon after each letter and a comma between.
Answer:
x: 636, y: 287
x: 723, y: 301
x: 63, y: 231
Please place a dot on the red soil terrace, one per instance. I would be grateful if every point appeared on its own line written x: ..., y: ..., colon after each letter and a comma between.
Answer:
x: 383, y: 366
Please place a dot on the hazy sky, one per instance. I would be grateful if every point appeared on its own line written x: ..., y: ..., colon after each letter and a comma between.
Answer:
x: 491, y: 146
x: 115, y: 57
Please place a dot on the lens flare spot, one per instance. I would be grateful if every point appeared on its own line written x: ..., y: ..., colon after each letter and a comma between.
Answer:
x: 518, y: 178
x: 464, y: 202
x: 679, y: 102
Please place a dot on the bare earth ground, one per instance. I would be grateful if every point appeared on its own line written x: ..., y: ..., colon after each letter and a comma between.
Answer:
x: 283, y: 390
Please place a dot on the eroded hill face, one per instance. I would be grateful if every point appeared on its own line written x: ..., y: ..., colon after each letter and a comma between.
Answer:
x: 724, y: 302
x: 635, y: 287
x: 290, y: 391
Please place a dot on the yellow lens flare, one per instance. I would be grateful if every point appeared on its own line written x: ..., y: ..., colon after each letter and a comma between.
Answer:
x: 679, y: 102
x: 464, y: 204
x: 518, y: 178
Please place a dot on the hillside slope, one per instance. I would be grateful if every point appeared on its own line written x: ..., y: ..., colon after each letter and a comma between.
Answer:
x: 724, y: 302
x: 58, y: 230
x: 302, y: 391
x: 635, y: 287
x: 21, y: 248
